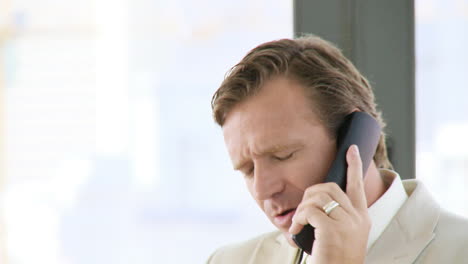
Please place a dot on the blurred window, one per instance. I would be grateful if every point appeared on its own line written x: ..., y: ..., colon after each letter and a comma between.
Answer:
x: 441, y: 100
x: 113, y: 156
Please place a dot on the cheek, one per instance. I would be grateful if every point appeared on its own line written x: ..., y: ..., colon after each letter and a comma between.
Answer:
x: 311, y: 169
x: 302, y: 175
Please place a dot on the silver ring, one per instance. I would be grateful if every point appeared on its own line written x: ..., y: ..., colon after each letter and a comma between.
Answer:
x: 328, y: 208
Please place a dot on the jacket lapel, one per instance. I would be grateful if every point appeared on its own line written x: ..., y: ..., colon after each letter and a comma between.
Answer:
x: 410, y: 231
x: 275, y: 251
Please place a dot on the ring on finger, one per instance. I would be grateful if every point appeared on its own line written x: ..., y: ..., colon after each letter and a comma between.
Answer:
x: 328, y: 208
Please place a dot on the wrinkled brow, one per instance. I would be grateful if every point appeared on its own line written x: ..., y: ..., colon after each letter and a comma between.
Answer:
x: 268, y: 151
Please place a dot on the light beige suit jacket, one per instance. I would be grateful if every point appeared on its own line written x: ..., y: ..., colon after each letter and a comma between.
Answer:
x: 421, y: 232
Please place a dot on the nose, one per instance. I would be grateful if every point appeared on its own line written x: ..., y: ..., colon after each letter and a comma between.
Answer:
x: 267, y: 183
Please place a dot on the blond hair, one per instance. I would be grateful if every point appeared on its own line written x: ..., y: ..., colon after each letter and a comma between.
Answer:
x: 331, y: 82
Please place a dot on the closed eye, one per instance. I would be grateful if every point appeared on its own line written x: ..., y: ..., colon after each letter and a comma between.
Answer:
x: 248, y: 171
x: 284, y: 157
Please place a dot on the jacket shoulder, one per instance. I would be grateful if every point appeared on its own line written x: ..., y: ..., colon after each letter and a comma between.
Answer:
x: 243, y: 252
x: 450, y: 242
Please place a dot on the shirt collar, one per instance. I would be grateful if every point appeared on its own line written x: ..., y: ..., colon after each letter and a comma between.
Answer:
x: 387, y: 206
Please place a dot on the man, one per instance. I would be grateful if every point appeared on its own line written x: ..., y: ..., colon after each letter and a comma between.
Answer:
x: 280, y: 109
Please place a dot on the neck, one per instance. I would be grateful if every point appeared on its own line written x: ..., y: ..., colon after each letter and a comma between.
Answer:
x: 373, y: 185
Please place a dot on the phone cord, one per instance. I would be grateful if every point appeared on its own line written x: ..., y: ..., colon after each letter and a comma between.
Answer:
x: 299, y: 259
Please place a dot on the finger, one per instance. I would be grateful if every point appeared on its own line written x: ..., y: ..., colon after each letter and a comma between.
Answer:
x: 310, y: 212
x: 310, y: 215
x: 355, y: 184
x: 338, y: 213
x: 323, y: 193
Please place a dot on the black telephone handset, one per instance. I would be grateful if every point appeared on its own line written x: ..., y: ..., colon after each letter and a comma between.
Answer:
x: 361, y: 129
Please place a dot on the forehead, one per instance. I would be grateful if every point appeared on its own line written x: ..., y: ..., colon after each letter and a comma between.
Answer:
x: 279, y: 114
x: 278, y: 99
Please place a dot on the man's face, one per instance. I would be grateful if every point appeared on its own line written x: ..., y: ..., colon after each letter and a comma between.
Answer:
x: 279, y: 145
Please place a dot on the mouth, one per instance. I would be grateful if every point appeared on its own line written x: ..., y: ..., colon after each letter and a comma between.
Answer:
x: 284, y: 219
x: 286, y: 212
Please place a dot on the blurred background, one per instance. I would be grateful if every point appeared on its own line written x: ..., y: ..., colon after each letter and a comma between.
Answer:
x: 109, y: 151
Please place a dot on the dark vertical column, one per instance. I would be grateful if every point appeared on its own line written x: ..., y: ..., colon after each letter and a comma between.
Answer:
x: 378, y: 36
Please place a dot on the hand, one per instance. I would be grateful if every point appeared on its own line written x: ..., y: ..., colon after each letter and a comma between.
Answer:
x: 341, y: 236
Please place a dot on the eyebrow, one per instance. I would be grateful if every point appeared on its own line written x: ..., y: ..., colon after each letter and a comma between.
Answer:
x: 270, y: 150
